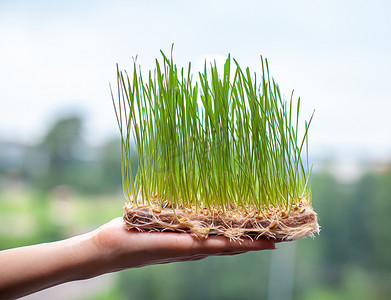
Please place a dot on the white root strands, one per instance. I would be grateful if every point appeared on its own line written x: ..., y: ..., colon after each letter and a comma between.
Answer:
x: 299, y: 223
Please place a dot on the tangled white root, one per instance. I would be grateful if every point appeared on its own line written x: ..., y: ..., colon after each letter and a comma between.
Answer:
x: 299, y: 223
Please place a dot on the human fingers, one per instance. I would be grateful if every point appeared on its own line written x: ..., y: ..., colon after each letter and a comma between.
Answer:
x: 184, y: 244
x: 222, y: 245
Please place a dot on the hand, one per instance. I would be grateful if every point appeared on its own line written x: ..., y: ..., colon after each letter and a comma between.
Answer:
x: 131, y: 248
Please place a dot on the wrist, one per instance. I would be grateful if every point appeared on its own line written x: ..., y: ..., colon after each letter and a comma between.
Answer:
x: 116, y: 247
x: 86, y: 259
x: 105, y: 248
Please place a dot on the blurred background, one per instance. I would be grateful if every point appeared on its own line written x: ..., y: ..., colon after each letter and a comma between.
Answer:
x: 60, y: 148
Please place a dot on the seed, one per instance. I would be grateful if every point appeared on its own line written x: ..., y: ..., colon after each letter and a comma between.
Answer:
x: 272, y: 224
x: 181, y: 220
x: 260, y: 216
x: 302, y: 209
x: 235, y: 216
x: 156, y: 210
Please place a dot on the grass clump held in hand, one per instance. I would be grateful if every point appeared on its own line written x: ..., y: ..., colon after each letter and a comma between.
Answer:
x: 220, y: 154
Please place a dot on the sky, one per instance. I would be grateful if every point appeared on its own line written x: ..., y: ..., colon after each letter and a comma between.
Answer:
x: 58, y: 57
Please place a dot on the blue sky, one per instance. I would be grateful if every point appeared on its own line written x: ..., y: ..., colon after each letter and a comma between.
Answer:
x: 59, y: 56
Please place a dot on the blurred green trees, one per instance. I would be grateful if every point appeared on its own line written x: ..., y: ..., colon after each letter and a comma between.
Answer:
x: 64, y: 158
x: 61, y: 146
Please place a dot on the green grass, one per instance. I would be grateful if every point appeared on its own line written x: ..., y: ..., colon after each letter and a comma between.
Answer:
x: 221, y: 141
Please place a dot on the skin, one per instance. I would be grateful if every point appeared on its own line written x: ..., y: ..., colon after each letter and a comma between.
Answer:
x: 109, y: 248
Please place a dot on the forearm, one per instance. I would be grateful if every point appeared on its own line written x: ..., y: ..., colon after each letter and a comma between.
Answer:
x: 29, y: 269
